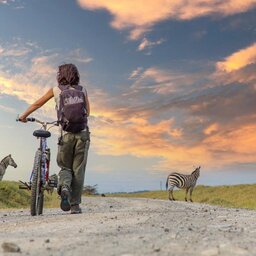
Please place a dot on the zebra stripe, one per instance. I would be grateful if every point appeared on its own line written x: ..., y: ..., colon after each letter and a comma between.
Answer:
x: 179, y: 180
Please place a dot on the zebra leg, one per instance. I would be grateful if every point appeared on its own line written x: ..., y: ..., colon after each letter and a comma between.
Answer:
x: 171, y: 198
x: 190, y: 192
x: 170, y: 195
x: 2, y: 172
x: 186, y: 194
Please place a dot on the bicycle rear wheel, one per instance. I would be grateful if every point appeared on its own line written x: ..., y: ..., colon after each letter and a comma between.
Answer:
x: 37, y: 196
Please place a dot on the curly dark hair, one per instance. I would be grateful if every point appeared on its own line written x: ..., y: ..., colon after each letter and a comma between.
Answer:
x: 68, y: 74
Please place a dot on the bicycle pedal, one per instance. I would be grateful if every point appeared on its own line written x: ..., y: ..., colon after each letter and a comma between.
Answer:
x: 25, y: 185
x: 53, y: 181
x: 52, y: 184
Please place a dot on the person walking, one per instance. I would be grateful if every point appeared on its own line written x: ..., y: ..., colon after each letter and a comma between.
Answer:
x: 73, y: 109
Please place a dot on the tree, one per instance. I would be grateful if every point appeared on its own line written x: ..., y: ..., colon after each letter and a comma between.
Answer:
x: 90, y: 190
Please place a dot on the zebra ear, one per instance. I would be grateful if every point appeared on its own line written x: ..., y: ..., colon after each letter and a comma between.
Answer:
x: 10, y: 155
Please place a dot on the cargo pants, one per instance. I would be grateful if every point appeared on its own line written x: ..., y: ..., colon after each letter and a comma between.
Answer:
x: 72, y: 159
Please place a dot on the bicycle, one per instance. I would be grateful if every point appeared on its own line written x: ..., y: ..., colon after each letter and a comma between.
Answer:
x: 39, y: 178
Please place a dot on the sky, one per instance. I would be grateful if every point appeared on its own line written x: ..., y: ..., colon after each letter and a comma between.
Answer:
x: 172, y: 86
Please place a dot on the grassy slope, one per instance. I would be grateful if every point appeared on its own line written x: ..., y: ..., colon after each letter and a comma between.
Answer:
x: 240, y: 196
x: 12, y: 197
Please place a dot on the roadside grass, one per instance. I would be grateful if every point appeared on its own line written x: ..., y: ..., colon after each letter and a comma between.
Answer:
x: 13, y: 197
x: 236, y: 196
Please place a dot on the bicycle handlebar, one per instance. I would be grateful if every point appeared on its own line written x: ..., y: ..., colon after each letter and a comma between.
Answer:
x: 29, y: 119
x: 32, y: 119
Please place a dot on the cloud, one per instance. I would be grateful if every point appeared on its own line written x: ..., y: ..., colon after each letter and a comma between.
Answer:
x: 9, y: 2
x: 234, y: 145
x: 239, y: 67
x: 211, y: 129
x: 27, y: 71
x: 136, y: 73
x: 147, y: 45
x: 138, y: 137
x: 79, y: 56
x: 5, y: 1
x: 14, y: 52
x: 139, y: 16
x: 217, y: 132
x: 238, y: 60
x: 181, y: 119
x: 245, y: 75
x: 161, y: 81
x: 178, y: 118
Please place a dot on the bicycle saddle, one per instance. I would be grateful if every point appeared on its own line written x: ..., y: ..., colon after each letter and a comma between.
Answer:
x: 42, y: 134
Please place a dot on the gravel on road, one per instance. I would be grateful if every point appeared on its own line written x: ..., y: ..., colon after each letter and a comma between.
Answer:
x: 130, y: 227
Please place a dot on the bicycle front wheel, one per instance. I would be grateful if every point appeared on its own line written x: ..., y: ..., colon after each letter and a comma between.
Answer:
x: 37, y: 196
x: 40, y: 203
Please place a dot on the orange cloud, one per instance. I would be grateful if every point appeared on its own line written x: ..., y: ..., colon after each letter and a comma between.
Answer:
x: 238, y: 59
x: 138, y: 137
x: 26, y: 91
x: 176, y: 146
x: 234, y: 145
x: 35, y: 75
x: 211, y: 129
x: 122, y: 128
x: 140, y: 15
x: 32, y: 82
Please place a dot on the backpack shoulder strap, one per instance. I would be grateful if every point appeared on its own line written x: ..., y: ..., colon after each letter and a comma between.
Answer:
x: 78, y: 87
x: 66, y: 87
x: 63, y: 87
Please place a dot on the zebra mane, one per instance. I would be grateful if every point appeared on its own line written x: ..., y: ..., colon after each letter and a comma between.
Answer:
x: 196, y: 170
x: 5, y: 158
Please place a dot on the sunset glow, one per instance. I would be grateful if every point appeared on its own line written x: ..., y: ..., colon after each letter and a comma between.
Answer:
x: 169, y: 89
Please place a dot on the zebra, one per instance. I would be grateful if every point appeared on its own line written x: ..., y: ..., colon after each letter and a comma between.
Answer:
x: 8, y: 160
x: 178, y: 180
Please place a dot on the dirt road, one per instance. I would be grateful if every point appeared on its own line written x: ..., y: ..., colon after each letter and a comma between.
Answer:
x: 122, y: 226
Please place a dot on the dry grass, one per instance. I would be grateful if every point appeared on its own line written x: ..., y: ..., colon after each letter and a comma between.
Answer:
x: 12, y: 197
x: 238, y: 196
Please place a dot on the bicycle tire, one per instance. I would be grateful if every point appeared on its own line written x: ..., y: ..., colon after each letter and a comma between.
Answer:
x: 40, y: 203
x: 36, y: 191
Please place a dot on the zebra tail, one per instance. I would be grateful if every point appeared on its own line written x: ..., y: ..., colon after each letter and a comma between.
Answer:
x: 166, y: 185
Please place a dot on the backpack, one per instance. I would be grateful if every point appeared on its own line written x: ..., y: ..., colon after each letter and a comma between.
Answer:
x: 72, y: 114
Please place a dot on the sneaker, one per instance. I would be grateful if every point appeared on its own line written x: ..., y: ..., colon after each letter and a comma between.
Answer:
x: 65, y: 203
x: 75, y: 209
